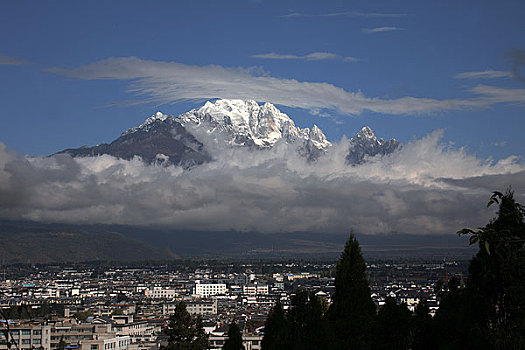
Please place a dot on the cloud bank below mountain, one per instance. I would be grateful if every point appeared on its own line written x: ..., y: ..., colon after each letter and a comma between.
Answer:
x: 424, y: 188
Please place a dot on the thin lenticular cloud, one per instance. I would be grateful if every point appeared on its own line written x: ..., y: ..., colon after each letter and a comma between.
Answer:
x: 172, y: 82
x: 314, y: 56
x: 486, y: 74
x: 381, y: 29
x: 350, y: 14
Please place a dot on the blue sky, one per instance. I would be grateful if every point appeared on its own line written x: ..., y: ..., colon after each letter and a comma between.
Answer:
x: 405, y: 68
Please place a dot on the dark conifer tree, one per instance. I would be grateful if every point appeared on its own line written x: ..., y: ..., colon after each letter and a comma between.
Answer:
x: 392, y: 329
x: 352, y: 310
x: 490, y: 312
x: 422, y: 335
x: 306, y: 326
x: 234, y: 341
x: 185, y: 332
x: 275, y: 330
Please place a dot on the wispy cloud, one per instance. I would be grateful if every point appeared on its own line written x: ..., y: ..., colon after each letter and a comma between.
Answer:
x: 381, y: 29
x: 486, y: 74
x: 346, y: 14
x: 11, y: 60
x: 314, y: 56
x: 499, y: 144
x: 172, y: 82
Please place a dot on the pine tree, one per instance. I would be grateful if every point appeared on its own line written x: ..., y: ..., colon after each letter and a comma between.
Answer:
x: 275, y: 330
x: 185, y: 332
x: 392, y: 326
x: 234, y: 341
x: 422, y: 328
x: 352, y: 310
x: 306, y: 326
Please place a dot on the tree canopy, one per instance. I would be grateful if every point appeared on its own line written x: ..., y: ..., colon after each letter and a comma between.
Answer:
x: 487, y: 313
x: 352, y: 310
x: 185, y: 332
x: 234, y: 341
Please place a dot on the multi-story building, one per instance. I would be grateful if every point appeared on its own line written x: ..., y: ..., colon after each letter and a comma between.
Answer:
x: 200, y: 307
x: 209, y: 289
x: 250, y: 342
x: 106, y: 342
x: 25, y: 335
x: 160, y: 293
x: 255, y: 289
x: 72, y: 333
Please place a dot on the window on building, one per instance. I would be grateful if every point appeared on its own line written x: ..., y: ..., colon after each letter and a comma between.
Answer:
x: 37, y: 332
x: 26, y: 341
x: 94, y: 346
x: 36, y: 341
x: 26, y: 332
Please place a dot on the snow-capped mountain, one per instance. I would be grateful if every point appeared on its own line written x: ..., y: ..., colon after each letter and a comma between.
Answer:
x: 365, y: 144
x: 246, y: 123
x: 182, y: 140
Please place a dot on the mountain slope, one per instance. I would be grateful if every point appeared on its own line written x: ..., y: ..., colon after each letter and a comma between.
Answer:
x: 158, y: 139
x: 27, y: 242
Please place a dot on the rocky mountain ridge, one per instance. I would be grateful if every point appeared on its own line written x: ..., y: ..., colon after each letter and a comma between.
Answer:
x: 181, y: 140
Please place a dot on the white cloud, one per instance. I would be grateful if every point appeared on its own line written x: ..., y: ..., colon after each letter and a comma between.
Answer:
x: 171, y: 82
x: 493, y: 94
x: 381, y: 29
x: 499, y: 144
x: 423, y: 188
x: 11, y: 61
x: 487, y: 74
x: 349, y: 14
x: 314, y: 56
x: 277, y: 56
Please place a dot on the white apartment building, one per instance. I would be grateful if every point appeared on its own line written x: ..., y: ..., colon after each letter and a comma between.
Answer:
x: 209, y: 289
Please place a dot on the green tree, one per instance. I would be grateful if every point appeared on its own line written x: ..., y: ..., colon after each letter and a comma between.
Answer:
x: 352, y: 310
x: 83, y: 315
x: 497, y: 273
x: 234, y: 341
x: 185, y: 332
x: 306, y: 326
x: 422, y: 335
x: 456, y: 324
x: 489, y: 313
x: 275, y: 330
x: 393, y: 326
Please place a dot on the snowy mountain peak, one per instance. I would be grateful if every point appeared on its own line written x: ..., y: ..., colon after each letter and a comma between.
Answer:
x: 367, y: 133
x: 146, y: 125
x: 365, y: 145
x: 246, y: 123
